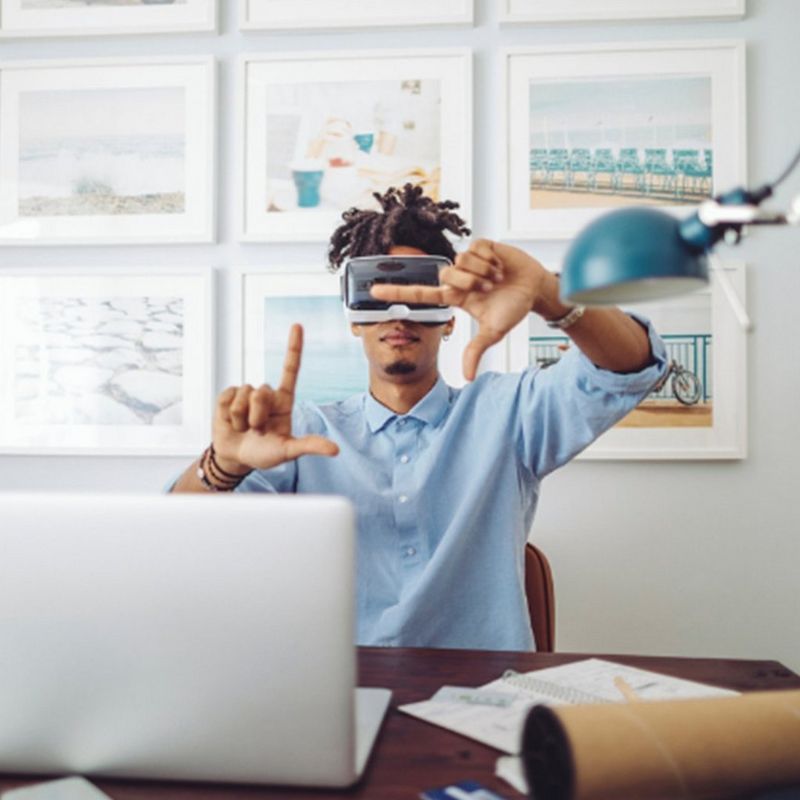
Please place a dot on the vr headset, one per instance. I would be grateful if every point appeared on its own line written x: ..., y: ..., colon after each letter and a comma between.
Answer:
x: 361, y: 274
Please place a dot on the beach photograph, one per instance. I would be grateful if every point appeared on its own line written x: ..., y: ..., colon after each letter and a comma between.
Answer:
x: 608, y: 143
x: 100, y: 361
x: 334, y: 367
x: 686, y: 398
x: 330, y: 145
x: 93, y: 152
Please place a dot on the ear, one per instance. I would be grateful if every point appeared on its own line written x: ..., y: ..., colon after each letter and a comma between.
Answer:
x: 355, y: 329
x: 448, y: 326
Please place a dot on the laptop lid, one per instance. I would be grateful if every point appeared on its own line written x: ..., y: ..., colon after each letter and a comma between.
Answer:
x: 179, y: 636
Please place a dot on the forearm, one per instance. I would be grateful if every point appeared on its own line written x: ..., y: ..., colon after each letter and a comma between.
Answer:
x: 210, y: 474
x: 608, y: 337
x: 189, y: 482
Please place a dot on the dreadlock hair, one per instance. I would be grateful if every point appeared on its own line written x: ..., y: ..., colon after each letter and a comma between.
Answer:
x: 407, y: 218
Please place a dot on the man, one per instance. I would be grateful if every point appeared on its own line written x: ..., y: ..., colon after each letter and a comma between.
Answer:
x: 445, y: 481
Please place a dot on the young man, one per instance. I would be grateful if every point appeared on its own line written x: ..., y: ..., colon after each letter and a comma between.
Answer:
x: 445, y: 481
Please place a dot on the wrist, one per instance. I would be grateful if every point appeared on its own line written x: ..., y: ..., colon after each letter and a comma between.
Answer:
x: 227, y: 465
x: 216, y: 477
x: 547, y: 302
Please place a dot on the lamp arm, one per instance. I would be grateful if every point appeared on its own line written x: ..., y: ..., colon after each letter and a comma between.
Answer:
x: 731, y: 295
x: 712, y: 213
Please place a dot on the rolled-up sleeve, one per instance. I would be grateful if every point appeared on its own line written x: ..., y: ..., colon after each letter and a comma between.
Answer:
x: 564, y: 408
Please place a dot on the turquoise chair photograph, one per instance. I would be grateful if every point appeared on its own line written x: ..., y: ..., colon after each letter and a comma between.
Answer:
x: 659, y: 173
x: 630, y: 169
x: 604, y: 170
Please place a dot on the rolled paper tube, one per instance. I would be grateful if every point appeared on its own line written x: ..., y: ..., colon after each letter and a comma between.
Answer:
x: 714, y: 748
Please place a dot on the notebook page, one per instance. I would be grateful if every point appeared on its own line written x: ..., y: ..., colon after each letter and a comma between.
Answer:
x: 495, y: 713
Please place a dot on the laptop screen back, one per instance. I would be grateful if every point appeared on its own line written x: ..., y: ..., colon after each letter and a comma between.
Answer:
x: 181, y: 637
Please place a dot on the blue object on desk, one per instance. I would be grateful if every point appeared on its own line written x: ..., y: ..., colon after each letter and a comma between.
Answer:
x: 466, y: 790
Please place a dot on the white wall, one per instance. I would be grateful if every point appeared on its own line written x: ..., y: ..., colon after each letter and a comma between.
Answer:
x: 692, y: 558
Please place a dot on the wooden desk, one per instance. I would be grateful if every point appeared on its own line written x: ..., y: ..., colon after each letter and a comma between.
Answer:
x: 411, y: 755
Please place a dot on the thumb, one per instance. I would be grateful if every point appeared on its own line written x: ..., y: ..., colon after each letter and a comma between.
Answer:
x: 475, y: 349
x: 310, y: 446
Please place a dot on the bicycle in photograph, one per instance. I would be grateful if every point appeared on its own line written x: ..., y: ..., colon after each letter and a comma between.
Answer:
x: 685, y: 385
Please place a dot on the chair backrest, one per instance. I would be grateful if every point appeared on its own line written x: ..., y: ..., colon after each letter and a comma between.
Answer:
x: 541, y: 598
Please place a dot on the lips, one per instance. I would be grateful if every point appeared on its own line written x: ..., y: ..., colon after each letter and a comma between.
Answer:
x: 399, y: 338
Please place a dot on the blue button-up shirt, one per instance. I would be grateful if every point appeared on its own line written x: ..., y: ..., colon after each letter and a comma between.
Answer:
x: 445, y: 494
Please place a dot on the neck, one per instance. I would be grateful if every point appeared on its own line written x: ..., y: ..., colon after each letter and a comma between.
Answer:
x: 401, y: 396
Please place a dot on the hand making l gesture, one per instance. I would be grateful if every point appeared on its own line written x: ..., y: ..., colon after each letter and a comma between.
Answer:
x: 495, y: 283
x: 253, y: 427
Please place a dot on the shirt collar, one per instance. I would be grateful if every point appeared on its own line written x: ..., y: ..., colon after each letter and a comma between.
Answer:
x: 430, y: 409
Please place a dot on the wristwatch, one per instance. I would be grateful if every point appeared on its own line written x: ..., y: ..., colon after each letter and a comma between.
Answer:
x: 570, y: 318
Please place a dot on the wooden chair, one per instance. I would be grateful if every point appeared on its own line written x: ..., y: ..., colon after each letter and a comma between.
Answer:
x: 541, y: 598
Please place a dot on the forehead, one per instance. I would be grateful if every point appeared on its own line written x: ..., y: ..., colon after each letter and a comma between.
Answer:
x: 405, y: 250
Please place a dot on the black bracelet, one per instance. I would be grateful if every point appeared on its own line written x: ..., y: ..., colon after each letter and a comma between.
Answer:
x: 203, y: 475
x: 217, y: 468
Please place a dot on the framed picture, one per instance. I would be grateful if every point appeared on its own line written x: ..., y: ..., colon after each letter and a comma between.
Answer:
x: 334, y: 366
x: 593, y: 128
x: 279, y: 14
x: 700, y: 410
x: 107, y: 151
x: 105, y: 363
x: 595, y: 10
x: 93, y: 17
x: 322, y: 132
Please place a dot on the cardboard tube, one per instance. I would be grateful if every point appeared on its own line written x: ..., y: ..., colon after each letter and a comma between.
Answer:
x: 672, y: 749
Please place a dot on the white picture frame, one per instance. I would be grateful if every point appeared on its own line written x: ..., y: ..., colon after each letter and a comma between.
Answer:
x: 107, y: 151
x: 595, y: 127
x: 324, y: 14
x: 345, y: 124
x: 548, y: 11
x: 111, y: 362
x: 702, y: 333
x: 312, y: 298
x: 28, y: 18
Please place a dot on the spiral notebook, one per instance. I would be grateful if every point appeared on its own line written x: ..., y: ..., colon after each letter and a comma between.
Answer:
x: 495, y: 713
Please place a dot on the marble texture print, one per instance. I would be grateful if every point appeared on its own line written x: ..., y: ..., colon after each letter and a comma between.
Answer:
x: 99, y: 361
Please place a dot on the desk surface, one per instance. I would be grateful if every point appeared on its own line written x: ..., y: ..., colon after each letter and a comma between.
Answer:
x: 411, y: 755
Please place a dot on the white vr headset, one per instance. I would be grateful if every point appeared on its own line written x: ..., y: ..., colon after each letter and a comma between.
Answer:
x: 361, y: 274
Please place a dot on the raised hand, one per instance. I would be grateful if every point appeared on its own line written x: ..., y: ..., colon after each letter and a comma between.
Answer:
x: 253, y: 427
x: 495, y: 283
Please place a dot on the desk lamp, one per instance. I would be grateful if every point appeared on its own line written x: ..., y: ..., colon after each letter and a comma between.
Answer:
x: 636, y: 254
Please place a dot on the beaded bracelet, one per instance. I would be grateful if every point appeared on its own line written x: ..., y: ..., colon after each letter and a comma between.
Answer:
x: 213, y: 477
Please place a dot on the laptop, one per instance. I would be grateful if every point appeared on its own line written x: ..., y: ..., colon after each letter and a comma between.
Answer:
x: 182, y: 637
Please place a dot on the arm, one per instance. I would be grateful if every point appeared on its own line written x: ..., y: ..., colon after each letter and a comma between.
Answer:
x: 608, y: 337
x: 253, y: 429
x: 499, y: 285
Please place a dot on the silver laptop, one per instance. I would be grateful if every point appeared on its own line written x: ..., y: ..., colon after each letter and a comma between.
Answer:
x: 182, y: 637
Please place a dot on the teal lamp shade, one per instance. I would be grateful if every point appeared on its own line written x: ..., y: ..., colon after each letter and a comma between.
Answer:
x: 635, y: 254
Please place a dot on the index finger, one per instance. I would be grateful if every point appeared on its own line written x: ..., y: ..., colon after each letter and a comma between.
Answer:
x: 391, y: 292
x: 291, y: 364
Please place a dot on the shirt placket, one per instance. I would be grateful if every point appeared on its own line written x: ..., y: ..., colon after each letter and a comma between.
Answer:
x: 405, y: 500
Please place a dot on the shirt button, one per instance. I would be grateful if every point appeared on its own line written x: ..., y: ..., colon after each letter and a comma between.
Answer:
x: 411, y: 551
x: 400, y: 423
x: 404, y: 459
x: 403, y: 498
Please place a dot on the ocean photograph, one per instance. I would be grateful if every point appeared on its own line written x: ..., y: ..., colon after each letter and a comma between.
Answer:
x: 333, y: 365
x: 99, y: 361
x: 618, y: 142
x: 43, y: 4
x: 93, y: 152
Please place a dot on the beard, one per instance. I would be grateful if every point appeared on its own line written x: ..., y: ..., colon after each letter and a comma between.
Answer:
x: 401, y: 368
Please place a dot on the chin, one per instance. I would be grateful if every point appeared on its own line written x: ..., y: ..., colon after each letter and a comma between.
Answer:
x: 400, y: 368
